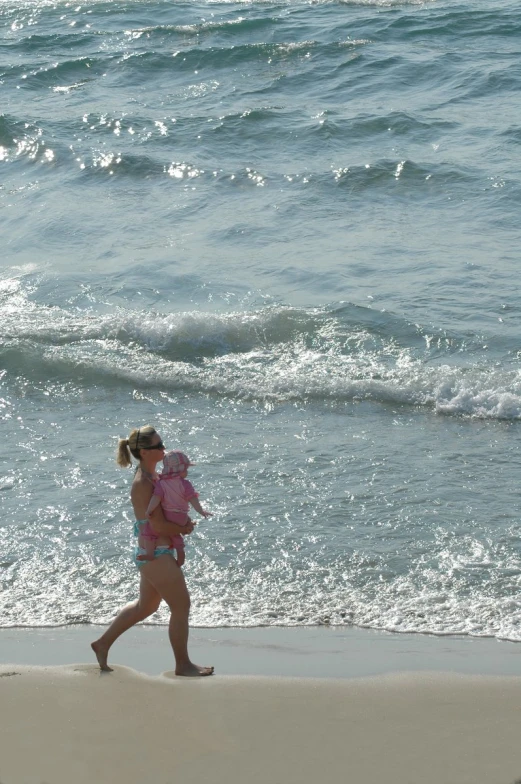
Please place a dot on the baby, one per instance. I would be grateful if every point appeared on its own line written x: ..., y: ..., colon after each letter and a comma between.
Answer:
x: 175, y: 494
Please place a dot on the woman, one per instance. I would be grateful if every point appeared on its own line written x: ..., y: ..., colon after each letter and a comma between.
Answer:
x: 161, y: 578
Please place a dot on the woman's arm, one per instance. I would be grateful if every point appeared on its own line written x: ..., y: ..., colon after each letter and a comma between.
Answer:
x: 163, y: 527
x: 140, y: 495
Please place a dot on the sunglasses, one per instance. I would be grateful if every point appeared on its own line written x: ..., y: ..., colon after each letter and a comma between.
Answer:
x: 156, y: 446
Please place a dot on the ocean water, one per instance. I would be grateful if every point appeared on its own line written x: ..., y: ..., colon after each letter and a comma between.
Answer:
x: 286, y: 234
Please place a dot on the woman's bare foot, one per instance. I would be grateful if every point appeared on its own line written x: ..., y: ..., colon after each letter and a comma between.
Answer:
x: 193, y: 670
x: 101, y: 655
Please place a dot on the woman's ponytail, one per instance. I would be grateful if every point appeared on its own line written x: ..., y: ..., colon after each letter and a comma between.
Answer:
x: 123, y: 455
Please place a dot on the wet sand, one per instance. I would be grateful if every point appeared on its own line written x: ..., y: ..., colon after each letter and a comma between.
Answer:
x: 319, y: 652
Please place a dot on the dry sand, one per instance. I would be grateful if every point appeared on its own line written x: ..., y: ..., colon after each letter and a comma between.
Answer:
x: 69, y: 724
x: 73, y: 725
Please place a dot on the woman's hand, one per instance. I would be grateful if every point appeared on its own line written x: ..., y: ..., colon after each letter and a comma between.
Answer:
x: 189, y: 527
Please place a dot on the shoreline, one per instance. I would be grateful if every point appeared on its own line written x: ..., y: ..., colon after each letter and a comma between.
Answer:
x: 304, y: 652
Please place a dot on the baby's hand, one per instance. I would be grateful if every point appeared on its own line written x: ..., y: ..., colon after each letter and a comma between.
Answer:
x: 206, y: 514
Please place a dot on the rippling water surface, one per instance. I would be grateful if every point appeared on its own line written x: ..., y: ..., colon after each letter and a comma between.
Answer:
x: 286, y: 234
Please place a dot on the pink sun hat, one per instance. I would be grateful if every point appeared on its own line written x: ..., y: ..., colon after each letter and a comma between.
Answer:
x: 175, y: 462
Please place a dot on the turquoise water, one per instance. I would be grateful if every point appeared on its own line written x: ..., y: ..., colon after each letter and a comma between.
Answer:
x: 287, y: 235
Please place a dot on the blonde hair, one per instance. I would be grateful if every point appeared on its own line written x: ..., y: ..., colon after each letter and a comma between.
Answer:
x: 139, y: 437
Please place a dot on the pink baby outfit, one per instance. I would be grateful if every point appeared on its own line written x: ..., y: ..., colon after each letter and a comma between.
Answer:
x: 174, y: 494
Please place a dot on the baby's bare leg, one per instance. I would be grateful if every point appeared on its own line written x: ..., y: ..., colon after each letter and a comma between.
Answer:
x: 149, y: 546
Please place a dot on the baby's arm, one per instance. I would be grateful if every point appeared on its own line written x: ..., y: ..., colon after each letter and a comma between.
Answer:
x: 192, y: 497
x: 153, y: 504
x: 194, y: 501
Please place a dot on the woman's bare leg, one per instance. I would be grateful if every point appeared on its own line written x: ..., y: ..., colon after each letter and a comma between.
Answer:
x: 148, y: 602
x: 168, y: 580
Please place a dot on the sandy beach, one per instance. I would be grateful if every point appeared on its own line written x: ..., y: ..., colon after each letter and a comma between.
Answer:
x: 389, y: 718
